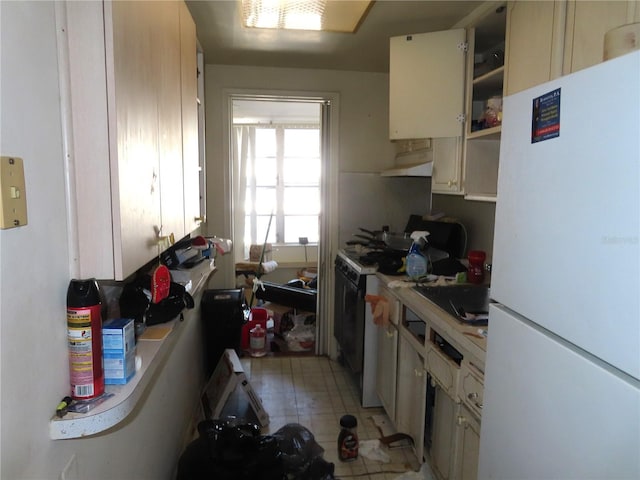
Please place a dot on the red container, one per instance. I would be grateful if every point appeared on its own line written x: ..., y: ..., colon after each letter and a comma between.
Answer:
x: 475, y: 273
x: 258, y: 316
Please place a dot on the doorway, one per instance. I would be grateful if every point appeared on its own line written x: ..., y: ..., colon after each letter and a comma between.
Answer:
x: 281, y: 169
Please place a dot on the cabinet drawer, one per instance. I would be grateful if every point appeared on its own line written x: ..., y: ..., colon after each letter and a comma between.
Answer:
x: 471, y: 388
x: 443, y: 369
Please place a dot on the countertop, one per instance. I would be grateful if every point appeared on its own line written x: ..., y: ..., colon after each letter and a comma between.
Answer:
x: 453, y: 330
x: 152, y: 353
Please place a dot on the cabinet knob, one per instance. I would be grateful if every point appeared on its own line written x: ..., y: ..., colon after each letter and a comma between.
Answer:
x: 418, y: 372
x: 390, y: 333
x: 461, y: 421
x: 198, y: 219
x: 451, y: 183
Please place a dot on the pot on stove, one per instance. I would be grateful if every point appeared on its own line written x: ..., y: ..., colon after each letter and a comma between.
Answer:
x: 391, y: 265
x: 389, y: 261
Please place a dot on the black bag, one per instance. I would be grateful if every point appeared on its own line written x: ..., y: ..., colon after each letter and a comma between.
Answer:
x: 135, y: 302
x: 228, y: 450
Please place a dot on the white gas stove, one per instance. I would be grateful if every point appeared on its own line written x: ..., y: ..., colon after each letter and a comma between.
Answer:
x: 354, y: 329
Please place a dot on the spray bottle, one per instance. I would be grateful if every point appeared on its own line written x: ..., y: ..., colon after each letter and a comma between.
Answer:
x: 416, y: 262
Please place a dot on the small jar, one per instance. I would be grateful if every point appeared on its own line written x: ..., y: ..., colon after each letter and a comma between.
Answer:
x: 475, y: 272
x: 348, y: 439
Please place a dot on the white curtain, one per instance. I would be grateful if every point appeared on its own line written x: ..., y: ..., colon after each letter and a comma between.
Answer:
x: 244, y: 142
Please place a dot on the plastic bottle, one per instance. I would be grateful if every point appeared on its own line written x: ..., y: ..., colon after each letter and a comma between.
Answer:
x: 348, y: 439
x: 258, y: 341
x: 258, y: 315
x: 416, y: 262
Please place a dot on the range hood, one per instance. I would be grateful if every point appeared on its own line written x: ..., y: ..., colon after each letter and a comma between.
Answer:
x: 414, y: 158
x: 424, y: 169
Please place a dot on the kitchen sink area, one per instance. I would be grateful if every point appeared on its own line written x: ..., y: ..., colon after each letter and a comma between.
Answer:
x: 469, y: 304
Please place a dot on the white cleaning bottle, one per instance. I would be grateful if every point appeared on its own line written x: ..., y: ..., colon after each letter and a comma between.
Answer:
x: 416, y: 265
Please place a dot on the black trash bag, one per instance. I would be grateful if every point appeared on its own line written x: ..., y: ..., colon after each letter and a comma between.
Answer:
x: 302, y: 455
x: 228, y: 450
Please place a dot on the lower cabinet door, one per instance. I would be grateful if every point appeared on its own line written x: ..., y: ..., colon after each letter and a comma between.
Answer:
x: 386, y: 371
x: 411, y: 394
x: 468, y: 445
x: 442, y: 441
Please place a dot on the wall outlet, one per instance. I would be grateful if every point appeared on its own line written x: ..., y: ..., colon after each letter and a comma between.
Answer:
x: 70, y: 471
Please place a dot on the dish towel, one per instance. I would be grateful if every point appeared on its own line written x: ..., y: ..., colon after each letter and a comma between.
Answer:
x: 379, y: 309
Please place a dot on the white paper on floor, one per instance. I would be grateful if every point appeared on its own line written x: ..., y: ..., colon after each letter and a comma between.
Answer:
x: 372, y: 449
x: 424, y: 473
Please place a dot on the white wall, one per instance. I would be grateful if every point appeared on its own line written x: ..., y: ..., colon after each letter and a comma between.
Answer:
x: 364, y: 144
x: 34, y: 276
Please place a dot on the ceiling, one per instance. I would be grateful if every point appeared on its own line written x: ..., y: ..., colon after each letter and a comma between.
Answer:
x: 226, y: 42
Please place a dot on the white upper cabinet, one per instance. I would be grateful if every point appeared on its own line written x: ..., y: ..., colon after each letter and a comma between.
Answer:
x: 587, y: 23
x: 190, y: 151
x: 426, y: 85
x: 168, y: 64
x: 535, y: 32
x: 485, y: 81
x: 447, y: 165
x: 546, y: 40
x: 125, y: 76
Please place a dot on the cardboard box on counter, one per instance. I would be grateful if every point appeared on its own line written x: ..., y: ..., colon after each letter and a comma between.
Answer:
x: 255, y: 251
x: 118, y: 350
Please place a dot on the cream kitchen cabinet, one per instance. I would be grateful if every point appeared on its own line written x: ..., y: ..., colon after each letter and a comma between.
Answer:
x: 387, y: 360
x: 127, y: 121
x: 411, y: 388
x: 438, y: 382
x: 546, y: 40
x: 167, y: 49
x: 193, y: 217
x: 447, y: 165
x: 535, y: 34
x: 441, y: 450
x: 467, y: 445
x: 426, y: 81
x: 484, y: 91
x: 586, y: 25
x: 470, y: 394
x: 441, y: 361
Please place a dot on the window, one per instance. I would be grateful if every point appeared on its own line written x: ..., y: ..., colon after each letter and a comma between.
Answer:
x: 282, y: 178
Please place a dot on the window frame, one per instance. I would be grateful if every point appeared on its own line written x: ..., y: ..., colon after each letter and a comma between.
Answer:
x: 252, y: 186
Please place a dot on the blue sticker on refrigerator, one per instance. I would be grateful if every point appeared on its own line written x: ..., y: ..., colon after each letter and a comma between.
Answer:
x: 545, y: 117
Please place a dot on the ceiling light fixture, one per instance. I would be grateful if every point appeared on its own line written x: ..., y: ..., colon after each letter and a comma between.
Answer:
x: 330, y: 15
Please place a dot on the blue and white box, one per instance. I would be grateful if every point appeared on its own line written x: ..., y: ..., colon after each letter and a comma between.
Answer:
x: 118, y: 350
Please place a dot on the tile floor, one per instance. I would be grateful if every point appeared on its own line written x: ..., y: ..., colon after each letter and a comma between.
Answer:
x: 315, y: 392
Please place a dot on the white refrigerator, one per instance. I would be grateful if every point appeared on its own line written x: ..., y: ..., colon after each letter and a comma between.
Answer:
x: 562, y: 379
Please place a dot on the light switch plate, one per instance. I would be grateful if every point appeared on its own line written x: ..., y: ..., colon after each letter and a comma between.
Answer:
x: 13, y: 197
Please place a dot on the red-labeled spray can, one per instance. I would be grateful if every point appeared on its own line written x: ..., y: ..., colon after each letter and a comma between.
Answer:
x: 84, y: 334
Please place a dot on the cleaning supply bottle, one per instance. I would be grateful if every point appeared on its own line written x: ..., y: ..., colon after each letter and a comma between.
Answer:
x: 416, y: 262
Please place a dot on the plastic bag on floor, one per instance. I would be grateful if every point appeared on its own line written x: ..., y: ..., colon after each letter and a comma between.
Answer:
x: 372, y: 450
x: 301, y: 454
